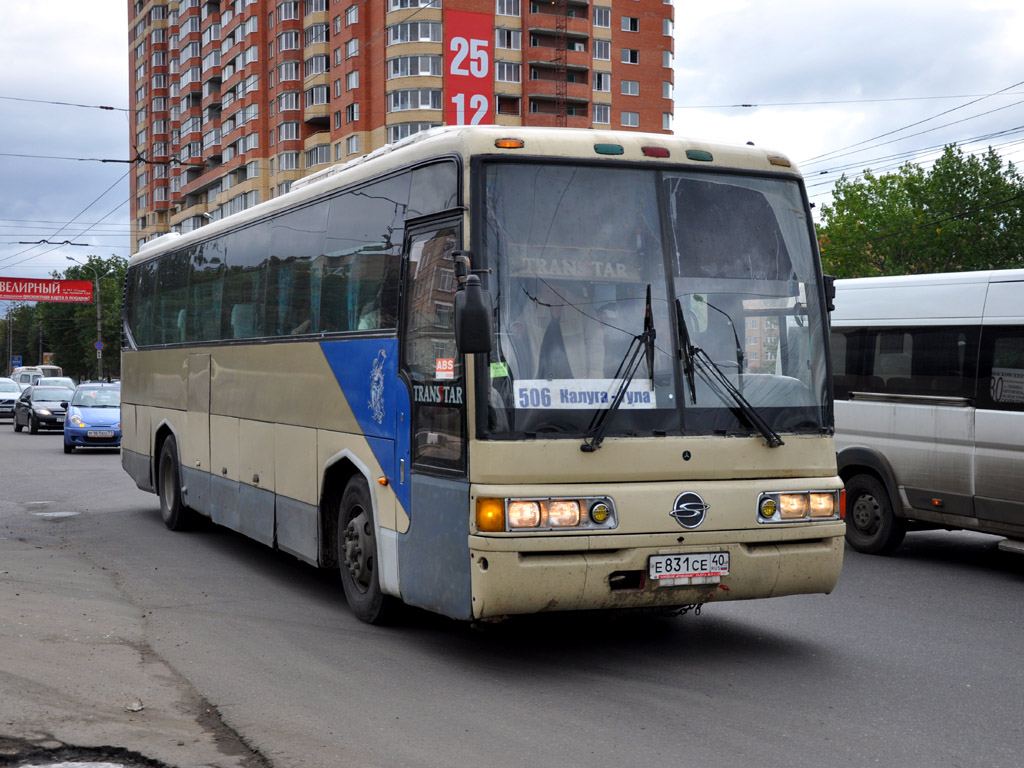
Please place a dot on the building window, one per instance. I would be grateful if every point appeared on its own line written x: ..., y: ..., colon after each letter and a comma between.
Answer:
x: 352, y: 80
x: 602, y: 17
x: 603, y: 81
x: 289, y: 70
x: 666, y: 89
x: 316, y: 6
x: 414, y: 66
x: 317, y: 65
x: 318, y: 155
x: 403, y: 130
x: 352, y: 145
x: 288, y: 161
x: 630, y: 24
x: 352, y: 113
x: 509, y: 39
x: 351, y: 15
x: 630, y: 88
x: 352, y: 47
x: 317, y: 96
x: 603, y: 50
x: 287, y: 11
x: 630, y: 56
x: 415, y: 32
x: 631, y: 119
x: 666, y: 59
x: 287, y: 131
x: 316, y: 33
x: 506, y: 72
x: 666, y: 27
x: 287, y: 101
x: 288, y: 41
x: 414, y: 98
x: 666, y: 121
x: 397, y: 5
x: 508, y: 8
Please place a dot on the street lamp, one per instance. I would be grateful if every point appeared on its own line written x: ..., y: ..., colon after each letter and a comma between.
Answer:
x: 99, y: 315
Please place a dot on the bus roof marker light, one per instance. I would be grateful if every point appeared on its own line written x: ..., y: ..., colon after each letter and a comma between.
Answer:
x: 780, y: 161
x: 509, y: 143
x: 609, y: 149
x: 701, y: 155
x: 655, y: 151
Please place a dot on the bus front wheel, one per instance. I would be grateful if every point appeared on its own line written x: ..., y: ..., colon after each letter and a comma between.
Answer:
x: 871, y: 525
x: 176, y: 515
x: 357, y: 555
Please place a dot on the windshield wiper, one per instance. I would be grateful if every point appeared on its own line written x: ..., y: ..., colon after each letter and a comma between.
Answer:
x: 717, y: 381
x: 642, y: 343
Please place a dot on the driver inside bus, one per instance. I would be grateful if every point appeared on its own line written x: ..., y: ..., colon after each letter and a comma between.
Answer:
x: 555, y: 335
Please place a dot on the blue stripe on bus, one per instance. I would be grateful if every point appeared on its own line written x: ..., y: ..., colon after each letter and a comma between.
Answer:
x: 367, y: 371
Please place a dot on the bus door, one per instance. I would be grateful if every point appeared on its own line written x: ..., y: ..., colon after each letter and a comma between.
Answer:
x: 194, y: 444
x: 434, y: 552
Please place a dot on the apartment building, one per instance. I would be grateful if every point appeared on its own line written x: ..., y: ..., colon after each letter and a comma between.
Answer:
x: 235, y: 99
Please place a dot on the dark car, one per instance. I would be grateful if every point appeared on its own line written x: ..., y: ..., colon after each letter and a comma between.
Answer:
x: 93, y: 417
x: 9, y: 392
x: 40, y: 408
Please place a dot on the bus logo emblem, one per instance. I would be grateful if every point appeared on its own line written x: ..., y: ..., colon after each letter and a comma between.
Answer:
x: 377, y: 387
x: 689, y: 509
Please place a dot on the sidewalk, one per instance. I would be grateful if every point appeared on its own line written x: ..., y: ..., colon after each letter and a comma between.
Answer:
x: 75, y: 668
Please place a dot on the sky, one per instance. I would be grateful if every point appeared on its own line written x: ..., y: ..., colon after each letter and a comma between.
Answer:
x: 838, y: 86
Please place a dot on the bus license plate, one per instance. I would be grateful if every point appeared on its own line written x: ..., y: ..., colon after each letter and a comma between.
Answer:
x: 100, y: 433
x: 689, y: 568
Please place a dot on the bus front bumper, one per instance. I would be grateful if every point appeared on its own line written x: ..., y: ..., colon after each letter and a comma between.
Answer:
x: 527, y: 575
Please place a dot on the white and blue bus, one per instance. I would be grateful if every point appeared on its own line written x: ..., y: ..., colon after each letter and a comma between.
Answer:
x: 492, y: 371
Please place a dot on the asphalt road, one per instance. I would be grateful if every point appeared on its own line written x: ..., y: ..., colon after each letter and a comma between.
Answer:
x: 248, y: 657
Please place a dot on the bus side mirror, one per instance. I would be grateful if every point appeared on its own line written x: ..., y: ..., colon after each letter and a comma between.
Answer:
x: 473, y: 313
x: 830, y: 292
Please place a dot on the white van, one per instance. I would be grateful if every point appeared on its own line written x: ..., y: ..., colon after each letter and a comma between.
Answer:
x: 928, y: 377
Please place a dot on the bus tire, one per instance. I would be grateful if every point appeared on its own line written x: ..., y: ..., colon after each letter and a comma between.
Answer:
x: 176, y: 516
x: 357, y: 555
x: 871, y: 525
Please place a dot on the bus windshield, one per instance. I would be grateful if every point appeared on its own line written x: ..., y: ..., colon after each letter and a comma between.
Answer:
x: 572, y: 252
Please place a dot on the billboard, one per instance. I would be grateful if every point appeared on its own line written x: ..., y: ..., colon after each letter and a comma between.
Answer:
x: 468, y: 71
x: 27, y: 289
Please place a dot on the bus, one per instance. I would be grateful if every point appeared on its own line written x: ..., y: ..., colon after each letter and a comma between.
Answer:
x: 489, y: 371
x: 929, y: 389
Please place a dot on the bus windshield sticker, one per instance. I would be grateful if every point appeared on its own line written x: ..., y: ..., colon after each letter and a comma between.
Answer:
x: 444, y: 368
x: 581, y: 394
x: 437, y: 394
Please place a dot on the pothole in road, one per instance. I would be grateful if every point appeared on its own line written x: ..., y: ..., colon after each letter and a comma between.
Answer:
x: 19, y: 754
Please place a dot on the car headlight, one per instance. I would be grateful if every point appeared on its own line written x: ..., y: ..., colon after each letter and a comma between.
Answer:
x: 591, y: 513
x: 797, y: 506
x: 76, y: 420
x: 43, y: 411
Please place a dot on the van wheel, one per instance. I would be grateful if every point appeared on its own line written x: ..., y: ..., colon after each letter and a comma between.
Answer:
x: 871, y: 525
x: 175, y: 514
x: 357, y: 555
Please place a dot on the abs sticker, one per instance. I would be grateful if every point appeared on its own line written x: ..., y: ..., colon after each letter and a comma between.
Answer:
x: 444, y: 368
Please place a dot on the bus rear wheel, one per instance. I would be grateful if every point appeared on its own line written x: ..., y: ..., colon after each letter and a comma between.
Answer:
x: 357, y: 555
x: 176, y: 516
x: 871, y: 525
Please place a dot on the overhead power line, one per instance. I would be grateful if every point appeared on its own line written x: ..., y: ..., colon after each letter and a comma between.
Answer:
x: 66, y: 104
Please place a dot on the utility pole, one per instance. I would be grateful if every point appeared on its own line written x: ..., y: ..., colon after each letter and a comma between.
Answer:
x: 99, y: 316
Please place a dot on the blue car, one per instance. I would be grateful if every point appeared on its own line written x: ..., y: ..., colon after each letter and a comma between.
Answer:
x: 94, y: 417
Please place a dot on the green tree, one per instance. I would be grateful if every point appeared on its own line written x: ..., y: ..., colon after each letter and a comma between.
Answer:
x: 70, y: 329
x: 965, y: 213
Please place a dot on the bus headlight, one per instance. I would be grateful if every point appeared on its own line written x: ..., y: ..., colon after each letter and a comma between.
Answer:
x: 797, y: 506
x: 523, y: 514
x: 563, y: 514
x: 545, y: 514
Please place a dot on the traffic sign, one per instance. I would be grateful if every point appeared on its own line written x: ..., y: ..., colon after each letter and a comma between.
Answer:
x: 98, y: 345
x: 15, y: 361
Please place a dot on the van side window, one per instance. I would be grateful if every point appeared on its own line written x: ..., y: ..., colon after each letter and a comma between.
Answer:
x: 1001, y: 378
x: 933, y: 361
